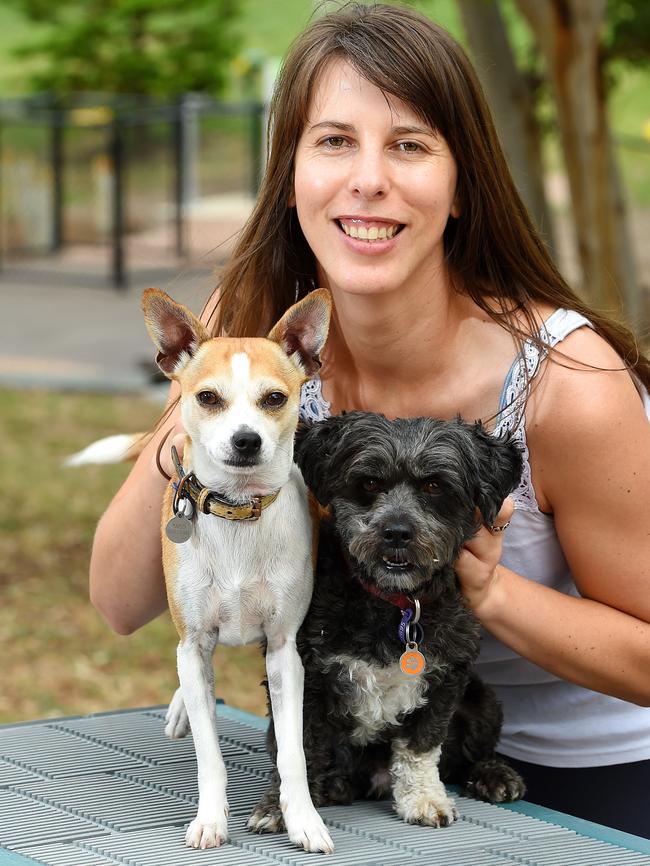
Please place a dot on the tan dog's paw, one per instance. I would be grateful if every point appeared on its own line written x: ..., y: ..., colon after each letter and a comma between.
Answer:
x: 201, y: 834
x: 307, y: 830
x: 422, y: 808
x: 177, y: 723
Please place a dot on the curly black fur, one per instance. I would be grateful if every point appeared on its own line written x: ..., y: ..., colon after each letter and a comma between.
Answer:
x: 404, y: 497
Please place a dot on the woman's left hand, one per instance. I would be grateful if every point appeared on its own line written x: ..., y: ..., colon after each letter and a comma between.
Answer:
x: 477, y: 565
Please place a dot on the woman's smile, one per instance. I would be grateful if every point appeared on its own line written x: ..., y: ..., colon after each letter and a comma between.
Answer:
x: 374, y: 187
x: 367, y: 236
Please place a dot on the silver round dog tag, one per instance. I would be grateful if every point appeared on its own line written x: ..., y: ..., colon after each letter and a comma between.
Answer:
x: 179, y: 529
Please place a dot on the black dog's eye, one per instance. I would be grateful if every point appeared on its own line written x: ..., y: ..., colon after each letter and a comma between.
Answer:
x: 274, y: 400
x: 371, y: 485
x: 209, y: 398
x: 430, y: 486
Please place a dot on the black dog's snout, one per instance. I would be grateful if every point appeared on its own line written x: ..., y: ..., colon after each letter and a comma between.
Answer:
x: 397, y: 534
x: 247, y: 442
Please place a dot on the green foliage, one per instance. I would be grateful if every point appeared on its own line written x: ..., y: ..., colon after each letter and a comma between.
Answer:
x: 628, y: 25
x: 156, y: 47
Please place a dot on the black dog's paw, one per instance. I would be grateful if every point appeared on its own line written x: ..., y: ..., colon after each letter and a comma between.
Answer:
x: 431, y: 809
x: 266, y: 818
x: 495, y: 782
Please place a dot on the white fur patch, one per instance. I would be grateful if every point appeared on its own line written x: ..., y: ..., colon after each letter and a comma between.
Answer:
x: 420, y: 796
x: 381, y: 695
x: 241, y: 371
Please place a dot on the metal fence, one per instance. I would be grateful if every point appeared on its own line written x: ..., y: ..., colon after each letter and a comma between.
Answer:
x: 133, y: 178
x: 99, y: 169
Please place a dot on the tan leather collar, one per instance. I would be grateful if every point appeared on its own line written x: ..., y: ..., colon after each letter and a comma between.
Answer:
x: 208, y: 502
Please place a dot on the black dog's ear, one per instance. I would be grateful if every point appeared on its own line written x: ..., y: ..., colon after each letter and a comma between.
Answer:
x: 500, y: 467
x: 315, y: 447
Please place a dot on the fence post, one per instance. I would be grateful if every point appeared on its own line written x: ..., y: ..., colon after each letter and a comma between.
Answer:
x: 180, y: 148
x: 2, y: 214
x: 57, y: 127
x: 256, y: 146
x: 117, y: 216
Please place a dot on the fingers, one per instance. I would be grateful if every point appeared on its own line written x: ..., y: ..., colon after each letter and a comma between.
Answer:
x: 504, y: 516
x: 476, y: 566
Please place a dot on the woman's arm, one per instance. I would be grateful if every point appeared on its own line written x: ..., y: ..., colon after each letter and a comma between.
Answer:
x: 127, y: 583
x: 589, y: 441
x: 126, y: 576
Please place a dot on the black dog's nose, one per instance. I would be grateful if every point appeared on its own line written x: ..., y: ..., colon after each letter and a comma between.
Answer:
x: 397, y: 534
x: 247, y: 442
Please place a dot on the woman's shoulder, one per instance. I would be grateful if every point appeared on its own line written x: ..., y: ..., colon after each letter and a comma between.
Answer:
x: 585, y: 400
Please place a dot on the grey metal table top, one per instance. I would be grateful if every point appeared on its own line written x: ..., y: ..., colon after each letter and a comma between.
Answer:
x: 111, y: 789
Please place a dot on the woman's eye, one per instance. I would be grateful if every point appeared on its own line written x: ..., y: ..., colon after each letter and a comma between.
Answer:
x: 410, y: 146
x: 208, y: 398
x: 274, y: 400
x: 430, y: 486
x: 335, y: 142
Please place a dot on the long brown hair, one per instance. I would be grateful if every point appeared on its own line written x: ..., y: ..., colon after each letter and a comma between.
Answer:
x: 493, y: 251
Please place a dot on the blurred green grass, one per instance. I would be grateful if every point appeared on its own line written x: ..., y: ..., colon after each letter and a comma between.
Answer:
x: 59, y: 657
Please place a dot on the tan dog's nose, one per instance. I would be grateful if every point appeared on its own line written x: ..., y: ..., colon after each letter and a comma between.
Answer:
x: 247, y: 443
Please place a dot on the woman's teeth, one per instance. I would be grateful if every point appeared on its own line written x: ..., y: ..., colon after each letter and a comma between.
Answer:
x: 371, y: 233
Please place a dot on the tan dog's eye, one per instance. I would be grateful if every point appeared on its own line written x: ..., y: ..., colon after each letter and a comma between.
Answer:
x: 430, y: 486
x: 274, y: 400
x: 209, y: 398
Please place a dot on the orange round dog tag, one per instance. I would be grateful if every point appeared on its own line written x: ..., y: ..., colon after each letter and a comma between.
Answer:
x: 411, y: 662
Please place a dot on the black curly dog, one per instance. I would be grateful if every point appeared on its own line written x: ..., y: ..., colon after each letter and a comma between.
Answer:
x: 403, y: 496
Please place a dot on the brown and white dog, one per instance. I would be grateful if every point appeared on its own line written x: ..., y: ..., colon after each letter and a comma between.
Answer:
x: 238, y: 536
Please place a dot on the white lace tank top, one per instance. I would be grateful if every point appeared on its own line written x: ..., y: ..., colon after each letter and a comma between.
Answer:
x: 546, y: 720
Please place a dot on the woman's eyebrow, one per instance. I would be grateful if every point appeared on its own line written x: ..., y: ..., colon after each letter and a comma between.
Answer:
x: 395, y: 130
x: 413, y: 130
x: 332, y: 124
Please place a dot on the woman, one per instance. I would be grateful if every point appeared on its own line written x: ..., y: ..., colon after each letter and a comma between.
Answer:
x: 386, y: 183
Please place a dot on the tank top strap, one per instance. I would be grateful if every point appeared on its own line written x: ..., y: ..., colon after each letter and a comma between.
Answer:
x: 511, y: 417
x: 526, y: 365
x: 560, y: 324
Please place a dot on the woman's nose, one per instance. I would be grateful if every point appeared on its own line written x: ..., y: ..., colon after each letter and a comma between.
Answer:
x: 369, y: 175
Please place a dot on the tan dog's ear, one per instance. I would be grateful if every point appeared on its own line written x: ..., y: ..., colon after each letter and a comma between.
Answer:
x: 175, y: 331
x: 302, y: 331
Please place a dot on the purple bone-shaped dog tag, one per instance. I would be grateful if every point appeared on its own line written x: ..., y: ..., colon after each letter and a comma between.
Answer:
x: 407, y: 616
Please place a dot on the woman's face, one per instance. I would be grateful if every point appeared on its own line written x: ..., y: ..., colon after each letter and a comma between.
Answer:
x: 373, y: 187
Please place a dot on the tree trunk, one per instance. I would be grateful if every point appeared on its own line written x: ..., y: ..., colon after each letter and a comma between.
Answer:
x: 569, y: 35
x: 512, y: 102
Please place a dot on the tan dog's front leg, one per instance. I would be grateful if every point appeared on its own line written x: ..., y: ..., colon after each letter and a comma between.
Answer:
x: 286, y: 682
x: 210, y: 827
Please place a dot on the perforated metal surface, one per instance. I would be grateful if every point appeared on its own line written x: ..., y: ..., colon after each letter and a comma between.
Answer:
x: 112, y: 789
